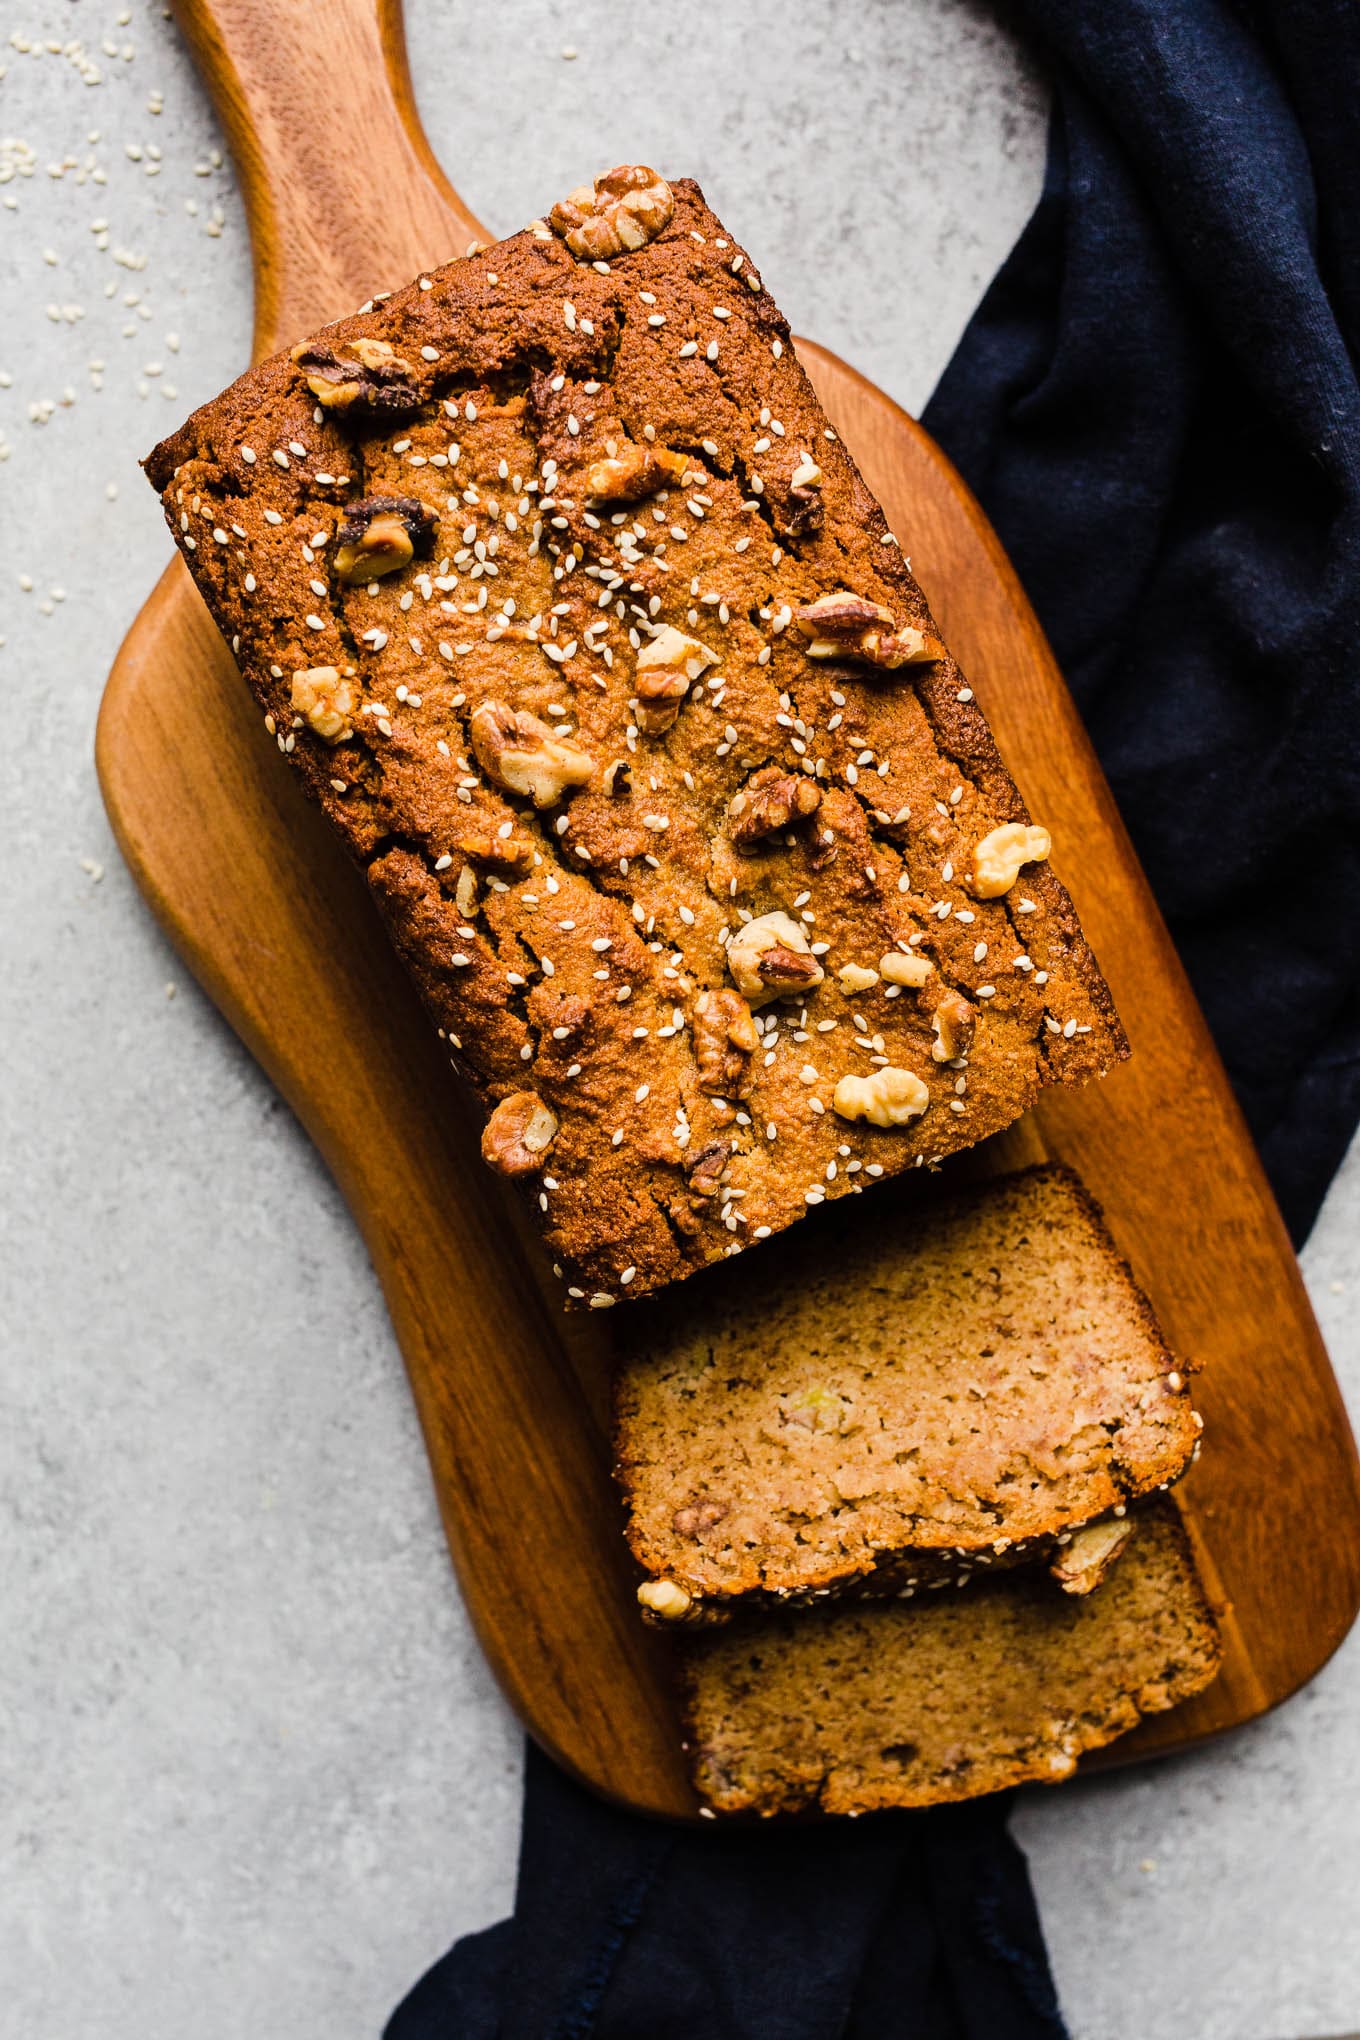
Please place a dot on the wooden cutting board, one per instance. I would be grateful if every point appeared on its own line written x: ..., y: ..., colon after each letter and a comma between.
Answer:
x: 269, y: 915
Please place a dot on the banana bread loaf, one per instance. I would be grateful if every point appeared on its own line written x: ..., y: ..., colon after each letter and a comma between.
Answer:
x: 567, y: 604
x: 856, y: 1706
x: 940, y: 1391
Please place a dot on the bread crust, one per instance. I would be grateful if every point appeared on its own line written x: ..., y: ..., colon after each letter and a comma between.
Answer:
x: 563, y: 940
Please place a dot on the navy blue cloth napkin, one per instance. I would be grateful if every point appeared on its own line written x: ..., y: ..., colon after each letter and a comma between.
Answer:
x: 629, y: 1929
x: 1157, y: 405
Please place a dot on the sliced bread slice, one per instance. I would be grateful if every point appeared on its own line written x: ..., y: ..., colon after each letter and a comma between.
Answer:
x: 854, y: 1706
x: 872, y: 1408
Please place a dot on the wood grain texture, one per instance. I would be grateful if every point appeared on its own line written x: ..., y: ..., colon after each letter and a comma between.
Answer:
x: 278, y: 927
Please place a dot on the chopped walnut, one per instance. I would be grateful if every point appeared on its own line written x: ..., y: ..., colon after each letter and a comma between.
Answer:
x: 523, y: 756
x: 666, y: 665
x: 704, y: 1170
x: 954, y: 1021
x: 617, y: 778
x: 664, y: 1599
x: 659, y: 695
x: 367, y: 374
x: 624, y: 209
x: 770, y: 801
x: 379, y: 536
x: 805, y: 499
x: 698, y: 1517
x: 725, y: 1038
x: 905, y: 970
x: 889, y: 1097
x: 998, y: 857
x: 518, y: 1133
x: 1082, y: 1564
x: 634, y: 471
x: 465, y: 892
x: 771, y: 956
x: 327, y: 700
x: 855, y: 977
x: 846, y: 626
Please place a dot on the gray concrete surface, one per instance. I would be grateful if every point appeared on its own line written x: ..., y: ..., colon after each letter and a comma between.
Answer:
x: 253, y: 1773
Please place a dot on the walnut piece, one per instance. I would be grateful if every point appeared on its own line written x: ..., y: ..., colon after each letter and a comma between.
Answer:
x: 664, y: 1599
x: 523, y: 756
x: 518, y: 1133
x: 379, y: 536
x: 856, y: 977
x: 805, y: 499
x: 899, y: 969
x: 725, y: 1038
x: 1083, y: 1563
x: 625, y: 209
x: 704, y: 1170
x: 465, y: 894
x: 367, y: 374
x: 697, y: 1517
x: 846, y: 626
x: 888, y: 1097
x: 666, y: 666
x: 954, y: 1021
x: 998, y: 857
x: 327, y: 701
x: 771, y: 956
x: 634, y: 471
x: 770, y: 801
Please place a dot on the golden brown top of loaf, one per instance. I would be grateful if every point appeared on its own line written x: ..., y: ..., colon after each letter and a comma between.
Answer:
x: 566, y: 602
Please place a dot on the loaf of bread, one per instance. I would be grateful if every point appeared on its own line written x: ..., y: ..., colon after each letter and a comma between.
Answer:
x: 854, y: 1706
x: 568, y: 606
x: 946, y: 1390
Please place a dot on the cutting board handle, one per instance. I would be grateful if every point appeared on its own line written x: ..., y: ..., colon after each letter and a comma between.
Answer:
x: 342, y: 192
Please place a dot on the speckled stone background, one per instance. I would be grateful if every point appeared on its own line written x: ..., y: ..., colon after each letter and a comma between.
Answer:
x: 253, y: 1773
